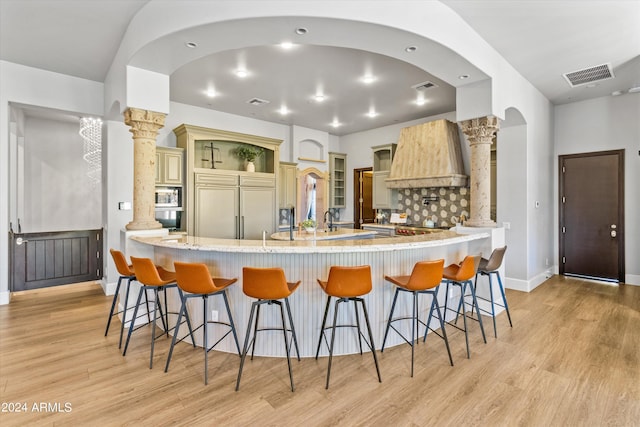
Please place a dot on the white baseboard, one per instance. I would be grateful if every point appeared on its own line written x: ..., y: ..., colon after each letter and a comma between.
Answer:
x: 527, y: 285
x: 5, y: 297
x: 108, y: 288
x: 632, y: 279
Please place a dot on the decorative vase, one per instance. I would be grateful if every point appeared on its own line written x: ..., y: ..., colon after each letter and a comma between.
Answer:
x: 251, y: 167
x: 309, y: 229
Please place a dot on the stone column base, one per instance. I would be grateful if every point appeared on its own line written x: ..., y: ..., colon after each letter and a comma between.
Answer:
x: 480, y: 223
x: 143, y: 225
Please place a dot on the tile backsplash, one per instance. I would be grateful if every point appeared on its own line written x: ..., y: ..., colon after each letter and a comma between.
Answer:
x: 444, y: 207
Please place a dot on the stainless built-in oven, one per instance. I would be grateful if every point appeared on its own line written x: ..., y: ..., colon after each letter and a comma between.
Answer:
x: 169, y: 207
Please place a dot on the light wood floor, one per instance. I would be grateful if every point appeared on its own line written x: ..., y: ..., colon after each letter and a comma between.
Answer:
x: 572, y: 358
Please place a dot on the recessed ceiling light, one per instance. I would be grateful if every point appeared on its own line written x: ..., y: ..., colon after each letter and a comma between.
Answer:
x: 410, y: 49
x: 372, y: 113
x: 284, y: 110
x: 368, y: 79
x: 319, y: 97
x: 463, y: 76
x: 211, y: 93
x: 191, y: 45
x: 420, y: 100
x: 301, y: 31
x: 336, y: 123
x: 286, y: 45
x: 242, y: 73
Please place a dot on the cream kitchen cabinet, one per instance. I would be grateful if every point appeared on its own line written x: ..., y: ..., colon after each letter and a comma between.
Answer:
x: 233, y: 206
x: 221, y: 199
x: 287, y: 184
x: 169, y: 166
x: 383, y: 197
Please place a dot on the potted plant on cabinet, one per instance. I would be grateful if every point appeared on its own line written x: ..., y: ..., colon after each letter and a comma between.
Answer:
x: 249, y: 153
x: 309, y: 225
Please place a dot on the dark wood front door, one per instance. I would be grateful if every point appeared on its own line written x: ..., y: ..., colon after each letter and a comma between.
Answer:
x: 592, y: 215
x: 363, y: 197
x: 41, y: 260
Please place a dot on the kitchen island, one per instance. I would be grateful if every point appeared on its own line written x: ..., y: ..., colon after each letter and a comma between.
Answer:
x: 307, y: 261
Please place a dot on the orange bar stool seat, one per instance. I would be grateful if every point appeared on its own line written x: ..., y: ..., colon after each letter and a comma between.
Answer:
x: 156, y: 279
x: 269, y: 286
x: 195, y: 281
x: 489, y: 267
x: 424, y: 279
x: 347, y: 284
x: 460, y: 275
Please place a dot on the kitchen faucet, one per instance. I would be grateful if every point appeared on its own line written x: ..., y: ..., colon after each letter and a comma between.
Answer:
x: 328, y: 212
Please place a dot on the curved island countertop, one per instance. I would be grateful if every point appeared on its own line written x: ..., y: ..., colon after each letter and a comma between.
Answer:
x: 324, y: 234
x: 308, y: 261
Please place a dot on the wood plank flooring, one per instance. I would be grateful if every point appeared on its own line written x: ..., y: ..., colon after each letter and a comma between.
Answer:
x: 571, y: 359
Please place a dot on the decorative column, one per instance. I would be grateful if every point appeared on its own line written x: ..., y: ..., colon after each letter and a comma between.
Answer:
x: 144, y: 127
x: 480, y: 133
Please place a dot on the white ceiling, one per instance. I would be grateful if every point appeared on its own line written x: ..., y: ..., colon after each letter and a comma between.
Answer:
x: 542, y: 39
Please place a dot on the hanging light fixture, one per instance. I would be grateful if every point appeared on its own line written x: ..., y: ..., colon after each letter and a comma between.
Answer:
x: 91, y: 133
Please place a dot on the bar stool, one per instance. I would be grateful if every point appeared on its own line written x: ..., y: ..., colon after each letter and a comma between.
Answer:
x: 269, y: 286
x: 425, y: 279
x: 488, y: 267
x: 126, y: 273
x: 196, y: 282
x: 157, y: 279
x: 347, y: 284
x: 461, y: 275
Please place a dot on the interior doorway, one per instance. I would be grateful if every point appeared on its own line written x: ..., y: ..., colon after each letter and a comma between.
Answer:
x: 363, y: 212
x: 592, y: 215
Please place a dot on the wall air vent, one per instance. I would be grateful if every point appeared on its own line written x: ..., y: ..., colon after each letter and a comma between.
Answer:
x: 424, y: 86
x: 257, y: 101
x: 589, y: 75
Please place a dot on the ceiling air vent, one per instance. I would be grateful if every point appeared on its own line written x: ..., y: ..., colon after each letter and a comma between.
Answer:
x: 424, y: 86
x: 589, y: 75
x: 257, y: 101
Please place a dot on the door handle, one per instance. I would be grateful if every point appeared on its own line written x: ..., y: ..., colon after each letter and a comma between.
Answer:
x: 20, y: 241
x: 613, y: 233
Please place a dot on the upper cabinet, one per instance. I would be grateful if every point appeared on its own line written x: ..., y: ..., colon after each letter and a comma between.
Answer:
x: 287, y: 185
x: 337, y: 172
x: 383, y: 197
x: 169, y: 166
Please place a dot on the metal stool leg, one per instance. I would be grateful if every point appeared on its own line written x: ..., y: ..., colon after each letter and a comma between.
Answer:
x: 293, y: 330
x: 358, y: 325
x: 504, y: 298
x: 233, y: 327
x: 444, y: 331
x: 125, y: 311
x: 245, y: 348
x: 493, y: 307
x: 393, y: 307
x: 183, y: 306
x: 475, y: 301
x: 324, y: 322
x: 373, y: 346
x: 255, y: 330
x: 286, y: 344
x: 113, y: 305
x: 333, y: 339
x: 135, y: 313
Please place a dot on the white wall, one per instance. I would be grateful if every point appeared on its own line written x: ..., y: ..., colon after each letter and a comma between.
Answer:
x: 58, y: 195
x: 607, y: 123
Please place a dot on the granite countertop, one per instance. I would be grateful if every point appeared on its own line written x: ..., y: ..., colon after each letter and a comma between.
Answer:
x: 323, y: 234
x: 311, y: 246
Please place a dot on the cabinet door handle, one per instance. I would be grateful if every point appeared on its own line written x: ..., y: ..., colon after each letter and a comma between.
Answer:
x: 237, y: 226
x: 242, y: 227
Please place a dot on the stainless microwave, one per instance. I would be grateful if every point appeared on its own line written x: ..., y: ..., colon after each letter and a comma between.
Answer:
x: 168, y: 197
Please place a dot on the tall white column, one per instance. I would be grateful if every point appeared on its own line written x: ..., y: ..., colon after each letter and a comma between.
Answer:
x: 480, y: 133
x: 144, y: 127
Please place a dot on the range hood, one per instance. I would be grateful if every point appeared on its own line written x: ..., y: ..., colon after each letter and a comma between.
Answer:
x: 428, y: 155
